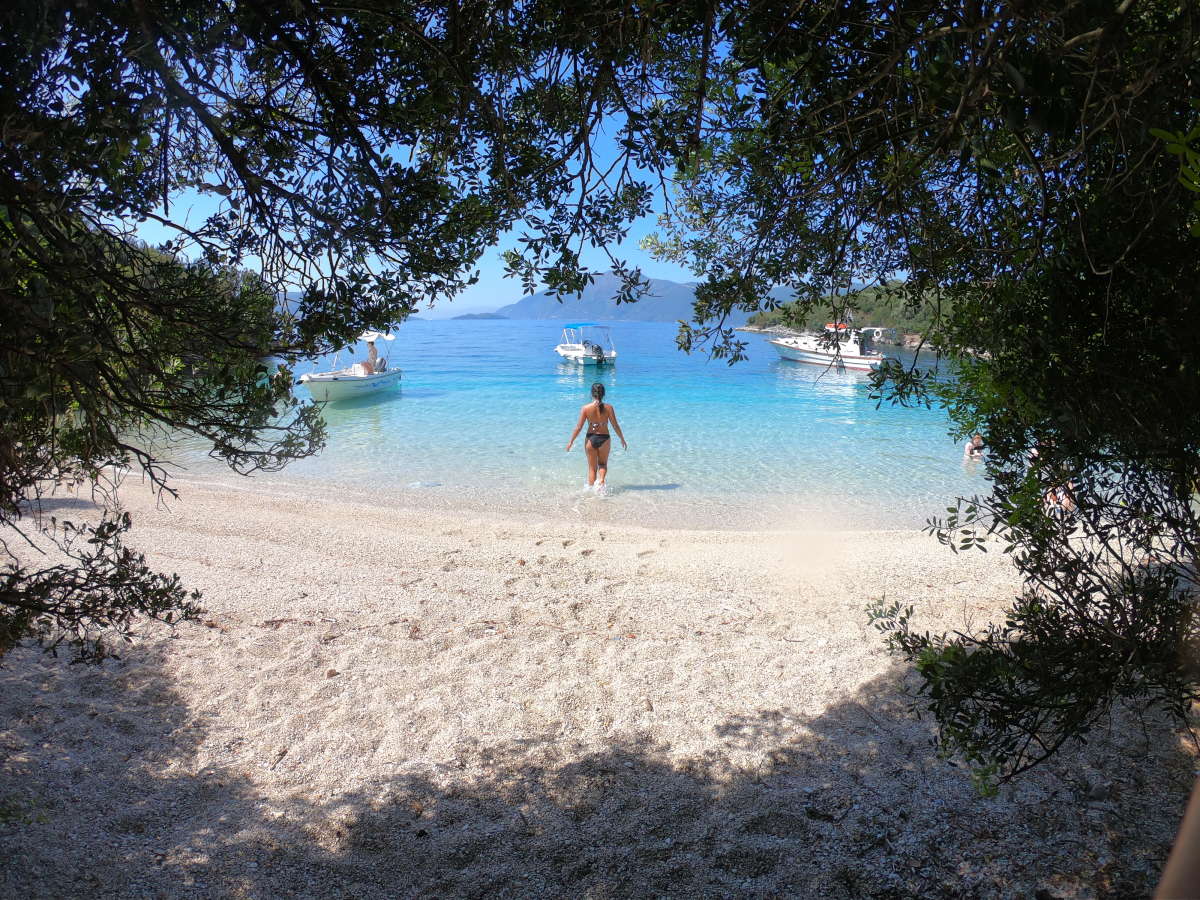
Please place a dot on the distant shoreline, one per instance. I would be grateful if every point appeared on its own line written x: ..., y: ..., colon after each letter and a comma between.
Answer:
x: 767, y: 329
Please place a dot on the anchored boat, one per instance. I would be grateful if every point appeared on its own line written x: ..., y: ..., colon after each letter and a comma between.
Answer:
x: 838, y: 346
x: 587, y: 343
x: 358, y: 380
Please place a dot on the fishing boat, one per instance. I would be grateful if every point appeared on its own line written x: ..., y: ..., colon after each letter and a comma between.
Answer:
x: 358, y: 380
x: 839, y: 346
x: 587, y: 343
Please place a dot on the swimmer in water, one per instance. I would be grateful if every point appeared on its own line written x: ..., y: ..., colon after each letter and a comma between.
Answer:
x: 597, y: 444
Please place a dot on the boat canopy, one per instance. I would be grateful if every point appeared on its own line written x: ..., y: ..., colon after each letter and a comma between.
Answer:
x: 376, y: 336
x: 584, y: 325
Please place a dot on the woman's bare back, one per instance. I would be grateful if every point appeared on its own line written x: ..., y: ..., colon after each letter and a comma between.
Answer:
x: 597, y: 420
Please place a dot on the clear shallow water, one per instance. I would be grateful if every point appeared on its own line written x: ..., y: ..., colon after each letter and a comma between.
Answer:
x: 485, y: 409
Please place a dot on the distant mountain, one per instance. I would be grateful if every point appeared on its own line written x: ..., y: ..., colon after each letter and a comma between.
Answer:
x: 478, y: 316
x: 667, y: 301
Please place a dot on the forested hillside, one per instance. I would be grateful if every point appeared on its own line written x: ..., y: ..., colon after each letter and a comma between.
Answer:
x: 869, y: 306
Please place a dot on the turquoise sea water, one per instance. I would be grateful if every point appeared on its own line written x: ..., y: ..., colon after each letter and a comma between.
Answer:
x: 485, y: 409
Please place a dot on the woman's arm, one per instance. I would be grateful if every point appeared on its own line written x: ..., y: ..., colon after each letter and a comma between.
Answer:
x: 1181, y: 878
x: 612, y: 417
x: 578, y: 426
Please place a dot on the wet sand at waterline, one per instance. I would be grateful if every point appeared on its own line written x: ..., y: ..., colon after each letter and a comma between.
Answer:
x: 394, y: 703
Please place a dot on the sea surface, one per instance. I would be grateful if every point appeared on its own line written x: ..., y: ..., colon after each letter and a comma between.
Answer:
x: 485, y: 408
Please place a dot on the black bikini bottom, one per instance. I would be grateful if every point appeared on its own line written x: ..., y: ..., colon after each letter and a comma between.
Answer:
x: 597, y: 440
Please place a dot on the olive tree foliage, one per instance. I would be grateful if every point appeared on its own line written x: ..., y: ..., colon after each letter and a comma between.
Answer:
x: 364, y: 155
x: 1025, y: 172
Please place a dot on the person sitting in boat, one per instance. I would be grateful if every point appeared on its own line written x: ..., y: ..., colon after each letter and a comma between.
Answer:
x: 369, y: 366
x: 974, y: 448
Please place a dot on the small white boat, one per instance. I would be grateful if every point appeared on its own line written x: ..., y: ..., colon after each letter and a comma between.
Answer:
x: 838, y: 346
x: 358, y: 380
x: 587, y: 343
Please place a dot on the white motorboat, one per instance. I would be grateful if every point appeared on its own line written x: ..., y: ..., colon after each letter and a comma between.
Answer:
x: 587, y: 343
x: 357, y: 380
x: 839, y: 346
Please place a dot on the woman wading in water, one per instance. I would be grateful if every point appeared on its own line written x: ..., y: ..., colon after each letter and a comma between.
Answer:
x: 597, y: 444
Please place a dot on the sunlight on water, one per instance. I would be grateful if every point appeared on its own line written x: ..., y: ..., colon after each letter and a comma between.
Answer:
x: 485, y: 409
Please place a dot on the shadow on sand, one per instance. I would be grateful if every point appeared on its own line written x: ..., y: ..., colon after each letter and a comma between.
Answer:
x: 58, y: 505
x: 108, y: 788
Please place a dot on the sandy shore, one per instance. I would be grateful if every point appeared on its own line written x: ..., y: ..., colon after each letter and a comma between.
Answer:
x: 417, y: 704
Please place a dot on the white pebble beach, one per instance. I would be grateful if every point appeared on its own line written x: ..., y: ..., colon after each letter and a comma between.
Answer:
x: 421, y: 703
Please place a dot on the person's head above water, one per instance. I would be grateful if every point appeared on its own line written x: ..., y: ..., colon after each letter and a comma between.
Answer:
x: 598, y: 393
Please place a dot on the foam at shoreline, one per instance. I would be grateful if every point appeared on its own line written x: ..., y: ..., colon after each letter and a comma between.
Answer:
x: 657, y: 506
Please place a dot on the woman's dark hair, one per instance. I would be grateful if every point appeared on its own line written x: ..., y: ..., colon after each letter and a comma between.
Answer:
x: 598, y: 393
